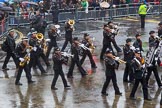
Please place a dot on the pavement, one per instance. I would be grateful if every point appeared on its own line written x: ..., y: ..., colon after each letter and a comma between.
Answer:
x: 85, y: 92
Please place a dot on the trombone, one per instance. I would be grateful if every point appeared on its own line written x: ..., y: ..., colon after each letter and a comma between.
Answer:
x: 119, y: 60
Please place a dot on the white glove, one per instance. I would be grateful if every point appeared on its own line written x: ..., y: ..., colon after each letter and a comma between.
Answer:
x: 143, y: 66
x: 21, y: 59
x: 81, y: 45
x: 28, y: 54
x: 116, y: 58
x: 115, y: 26
x: 132, y: 48
x: 156, y: 58
x: 48, y: 40
x: 27, y: 50
x: 112, y: 30
x: 150, y: 65
x: 35, y: 48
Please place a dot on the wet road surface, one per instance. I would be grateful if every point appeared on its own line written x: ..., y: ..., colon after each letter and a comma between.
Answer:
x: 84, y: 92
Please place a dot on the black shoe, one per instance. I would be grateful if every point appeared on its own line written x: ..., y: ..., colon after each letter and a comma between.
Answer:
x: 68, y: 76
x: 18, y: 83
x: 132, y: 98
x: 126, y: 81
x: 118, y: 93
x: 160, y: 86
x: 5, y: 69
x: 148, y: 99
x: 84, y: 75
x: 54, y: 88
x: 67, y: 87
x: 104, y: 94
x: 94, y: 67
x: 30, y: 82
x: 44, y: 73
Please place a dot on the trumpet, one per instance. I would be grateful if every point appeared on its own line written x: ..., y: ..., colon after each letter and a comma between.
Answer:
x: 119, y: 60
x: 26, y: 59
x: 65, y: 54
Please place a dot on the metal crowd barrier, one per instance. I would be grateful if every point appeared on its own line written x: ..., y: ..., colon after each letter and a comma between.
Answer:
x: 78, y: 15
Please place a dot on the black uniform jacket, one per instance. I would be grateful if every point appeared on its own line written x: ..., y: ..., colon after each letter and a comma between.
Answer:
x: 111, y: 65
x: 68, y: 31
x: 10, y: 42
x: 138, y: 44
x: 106, y: 37
x: 20, y: 50
x: 137, y: 68
x: 58, y: 60
x: 128, y: 53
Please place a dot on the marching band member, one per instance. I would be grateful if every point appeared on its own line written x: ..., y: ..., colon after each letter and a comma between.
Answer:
x: 113, y: 27
x: 139, y: 75
x: 68, y: 33
x: 128, y: 57
x: 75, y: 59
x: 153, y: 68
x: 111, y: 64
x: 35, y: 53
x: 10, y: 49
x: 153, y: 40
x: 160, y: 30
x: 23, y: 52
x: 106, y: 40
x: 138, y: 43
x: 87, y: 52
x: 58, y: 60
x: 52, y: 34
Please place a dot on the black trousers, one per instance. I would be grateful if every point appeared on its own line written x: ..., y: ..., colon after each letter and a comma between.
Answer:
x: 105, y: 46
x: 81, y: 70
x: 142, y: 21
x: 155, y: 71
x: 8, y: 56
x: 115, y: 45
x: 20, y: 70
x: 128, y: 72
x: 50, y: 46
x: 43, y: 56
x: 89, y: 54
x: 56, y: 75
x: 66, y: 42
x: 144, y: 87
x: 114, y: 81
x: 34, y: 59
x: 161, y: 99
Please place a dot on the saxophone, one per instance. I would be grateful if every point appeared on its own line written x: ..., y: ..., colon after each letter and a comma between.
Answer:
x: 90, y: 41
x: 26, y: 59
x: 27, y: 56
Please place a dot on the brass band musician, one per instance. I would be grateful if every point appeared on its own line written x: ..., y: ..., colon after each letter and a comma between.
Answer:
x: 69, y: 28
x: 87, y: 43
x: 111, y: 64
x: 22, y: 52
x: 52, y: 34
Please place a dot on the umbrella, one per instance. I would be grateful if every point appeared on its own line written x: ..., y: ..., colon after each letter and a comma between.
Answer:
x: 104, y: 5
x: 28, y: 2
x: 6, y: 8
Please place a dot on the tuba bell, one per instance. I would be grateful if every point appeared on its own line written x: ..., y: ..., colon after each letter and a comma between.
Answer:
x: 39, y: 36
x: 71, y: 22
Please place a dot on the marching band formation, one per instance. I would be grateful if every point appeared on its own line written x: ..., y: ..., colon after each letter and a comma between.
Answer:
x: 27, y: 53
